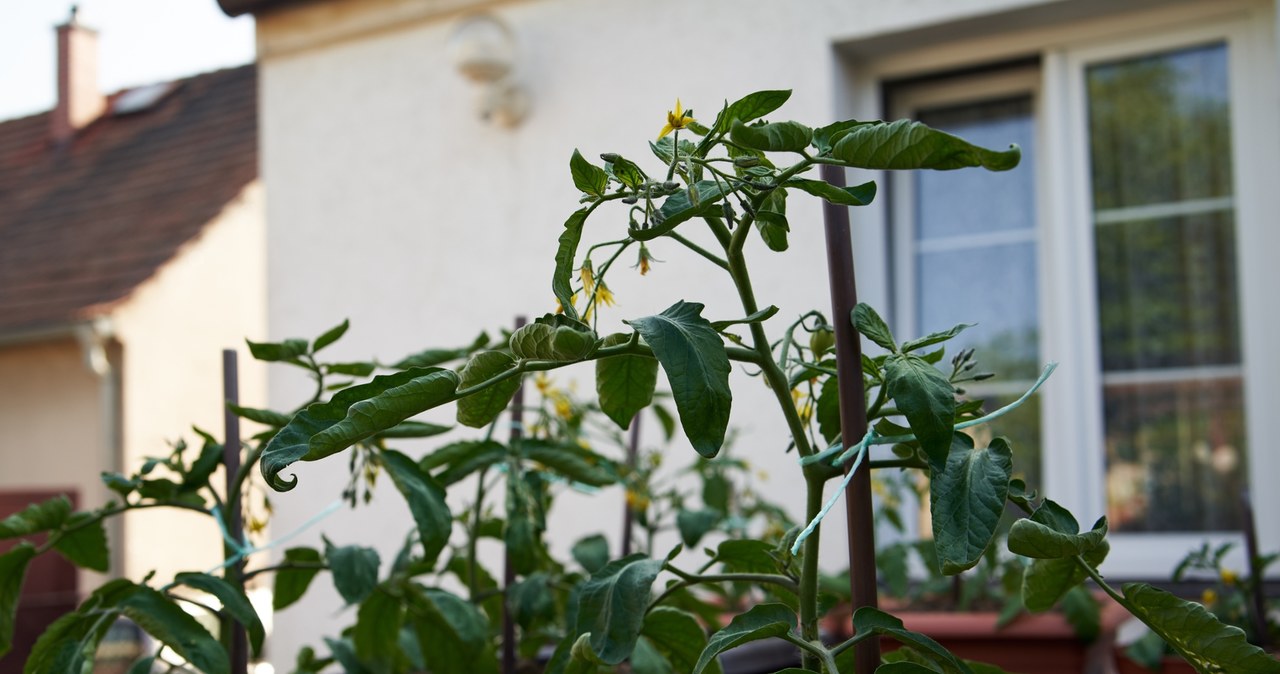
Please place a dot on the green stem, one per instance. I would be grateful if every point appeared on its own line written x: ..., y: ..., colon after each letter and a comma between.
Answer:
x: 689, y: 580
x: 56, y: 536
x: 812, y: 648
x: 473, y: 537
x: 286, y: 566
x: 715, y: 259
x: 809, y: 572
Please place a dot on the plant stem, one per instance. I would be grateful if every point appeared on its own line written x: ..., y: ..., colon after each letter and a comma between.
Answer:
x: 689, y: 580
x: 286, y: 566
x: 715, y: 259
x: 809, y: 572
x: 474, y: 535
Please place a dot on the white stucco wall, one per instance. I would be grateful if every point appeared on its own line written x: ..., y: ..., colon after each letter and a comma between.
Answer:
x: 393, y: 205
x: 173, y: 330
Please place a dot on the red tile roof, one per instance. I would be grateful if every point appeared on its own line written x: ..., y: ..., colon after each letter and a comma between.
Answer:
x: 82, y: 225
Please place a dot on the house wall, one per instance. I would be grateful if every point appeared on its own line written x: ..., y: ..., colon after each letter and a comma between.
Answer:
x: 55, y: 423
x: 393, y: 205
x: 174, y: 328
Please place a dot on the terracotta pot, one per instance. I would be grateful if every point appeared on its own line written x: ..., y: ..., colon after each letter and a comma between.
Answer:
x: 1032, y: 644
x: 1172, y: 665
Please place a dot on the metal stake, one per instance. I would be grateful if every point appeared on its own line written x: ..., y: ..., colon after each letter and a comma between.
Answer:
x: 508, y: 571
x: 234, y: 516
x: 628, y: 514
x: 853, y: 413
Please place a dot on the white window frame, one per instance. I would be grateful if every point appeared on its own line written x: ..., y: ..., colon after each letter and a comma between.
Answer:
x: 1073, y: 460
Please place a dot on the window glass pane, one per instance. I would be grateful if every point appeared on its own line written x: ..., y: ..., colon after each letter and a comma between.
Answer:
x: 1159, y: 128
x: 1175, y: 455
x: 974, y: 243
x: 959, y: 203
x: 1167, y: 302
x: 1169, y: 292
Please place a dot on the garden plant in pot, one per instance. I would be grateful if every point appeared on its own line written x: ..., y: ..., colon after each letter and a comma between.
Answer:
x: 731, y: 180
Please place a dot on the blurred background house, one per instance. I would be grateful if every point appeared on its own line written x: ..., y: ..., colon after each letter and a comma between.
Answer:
x: 131, y: 252
x: 1133, y: 244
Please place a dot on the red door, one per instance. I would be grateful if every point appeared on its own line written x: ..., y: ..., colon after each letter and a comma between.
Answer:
x: 51, y: 587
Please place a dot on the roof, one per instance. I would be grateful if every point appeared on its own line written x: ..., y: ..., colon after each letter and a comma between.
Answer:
x: 83, y: 225
x: 238, y: 7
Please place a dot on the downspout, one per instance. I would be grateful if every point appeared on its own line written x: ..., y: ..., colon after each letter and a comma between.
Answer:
x: 96, y: 339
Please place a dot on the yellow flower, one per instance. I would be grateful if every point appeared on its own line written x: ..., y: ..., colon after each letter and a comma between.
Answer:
x: 604, y: 295
x: 637, y: 501
x: 573, y: 299
x: 587, y: 274
x: 543, y: 382
x: 564, y: 408
x: 644, y: 261
x: 1229, y: 577
x: 1209, y: 598
x: 676, y: 119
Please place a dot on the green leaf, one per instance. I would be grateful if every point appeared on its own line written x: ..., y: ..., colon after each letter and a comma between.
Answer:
x: 678, y: 636
x: 699, y: 200
x: 697, y: 369
x: 56, y: 650
x: 453, y: 634
x: 867, y: 619
x: 750, y: 107
x: 858, y: 195
x: 330, y: 336
x: 760, y: 622
x: 554, y: 337
x: 463, y: 459
x: 264, y: 417
x: 647, y: 659
x: 582, y: 658
x: 176, y: 629
x: 625, y: 384
x: 360, y: 369
x: 934, y: 338
x: 143, y: 666
x: 869, y: 323
x: 377, y: 630
x: 828, y: 409
x: 233, y: 601
x: 587, y: 176
x: 612, y: 605
x: 432, y: 357
x: 567, y: 250
x: 747, y: 556
x: 827, y: 136
x: 36, y: 517
x: 776, y: 137
x: 967, y: 499
x: 773, y: 227
x: 354, y: 570
x: 715, y: 492
x: 325, y: 428
x: 426, y: 500
x: 1196, y: 634
x: 694, y: 524
x: 524, y: 526
x: 926, y: 399
x: 414, y: 429
x: 591, y: 552
x: 344, y: 653
x: 1046, y: 581
x: 1052, y: 532
x: 1083, y: 613
x: 904, y: 668
x: 275, y: 352
x: 479, y: 409
x: 13, y: 570
x: 626, y: 172
x: 531, y: 600
x: 665, y: 420
x: 571, y: 462
x: 905, y: 144
x: 291, y: 584
x: 86, y: 546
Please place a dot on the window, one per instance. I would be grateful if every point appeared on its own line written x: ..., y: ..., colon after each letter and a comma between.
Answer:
x: 1168, y: 315
x: 1133, y: 245
x: 969, y: 247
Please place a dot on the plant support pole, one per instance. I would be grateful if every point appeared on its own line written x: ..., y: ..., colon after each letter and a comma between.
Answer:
x: 234, y: 517
x: 853, y: 413
x: 508, y: 571
x: 628, y: 514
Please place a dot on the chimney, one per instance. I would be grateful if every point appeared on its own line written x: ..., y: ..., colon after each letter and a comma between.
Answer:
x: 79, y: 100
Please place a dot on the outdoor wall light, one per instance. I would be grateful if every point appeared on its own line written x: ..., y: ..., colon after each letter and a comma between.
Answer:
x: 483, y: 49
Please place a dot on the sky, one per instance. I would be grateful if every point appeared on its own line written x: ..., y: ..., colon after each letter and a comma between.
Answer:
x: 139, y: 42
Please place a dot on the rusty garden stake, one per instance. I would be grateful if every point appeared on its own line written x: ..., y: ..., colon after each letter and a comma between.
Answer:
x: 853, y: 413
x: 234, y: 517
x: 508, y: 571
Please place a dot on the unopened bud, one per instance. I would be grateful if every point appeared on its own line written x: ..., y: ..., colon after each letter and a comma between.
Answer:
x: 670, y: 185
x: 746, y: 161
x: 984, y: 376
x: 629, y: 200
x: 610, y: 157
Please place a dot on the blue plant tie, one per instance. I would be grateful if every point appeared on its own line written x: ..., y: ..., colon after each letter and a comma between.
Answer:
x: 242, y: 550
x: 872, y: 438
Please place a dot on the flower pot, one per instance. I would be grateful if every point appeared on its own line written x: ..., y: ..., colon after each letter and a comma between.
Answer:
x: 1033, y: 644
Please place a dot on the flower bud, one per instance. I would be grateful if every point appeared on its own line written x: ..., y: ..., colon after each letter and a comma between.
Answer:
x: 746, y: 161
x: 629, y: 200
x: 610, y: 157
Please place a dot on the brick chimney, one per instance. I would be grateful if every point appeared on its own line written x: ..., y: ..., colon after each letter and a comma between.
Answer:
x: 79, y: 100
